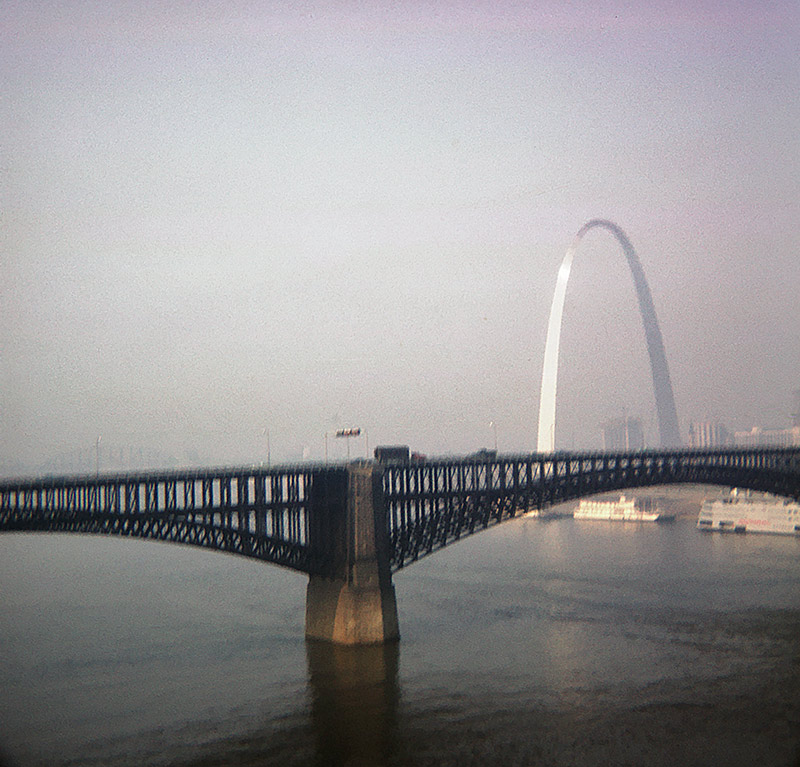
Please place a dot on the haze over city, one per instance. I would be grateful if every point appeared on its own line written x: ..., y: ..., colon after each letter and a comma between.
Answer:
x: 227, y: 224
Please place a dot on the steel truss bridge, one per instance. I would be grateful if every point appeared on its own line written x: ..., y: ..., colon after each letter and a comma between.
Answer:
x: 297, y: 516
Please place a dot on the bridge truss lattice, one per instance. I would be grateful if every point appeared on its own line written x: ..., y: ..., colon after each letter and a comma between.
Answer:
x: 434, y: 503
x: 296, y: 516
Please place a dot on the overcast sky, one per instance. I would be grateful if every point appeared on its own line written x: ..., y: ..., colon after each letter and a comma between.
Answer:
x: 227, y: 220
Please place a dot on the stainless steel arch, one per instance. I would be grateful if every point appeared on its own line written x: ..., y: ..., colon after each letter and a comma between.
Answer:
x: 665, y: 400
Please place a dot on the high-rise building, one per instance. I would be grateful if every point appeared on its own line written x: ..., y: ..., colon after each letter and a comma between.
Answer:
x: 623, y: 434
x: 708, y: 434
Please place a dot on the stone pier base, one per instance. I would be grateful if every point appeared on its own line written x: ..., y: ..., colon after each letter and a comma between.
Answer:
x: 353, y: 603
x: 337, y: 611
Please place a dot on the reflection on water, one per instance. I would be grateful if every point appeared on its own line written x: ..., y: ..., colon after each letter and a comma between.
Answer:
x: 354, y: 697
x: 546, y: 643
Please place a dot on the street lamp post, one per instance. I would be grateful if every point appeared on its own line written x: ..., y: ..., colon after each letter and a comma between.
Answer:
x: 265, y: 432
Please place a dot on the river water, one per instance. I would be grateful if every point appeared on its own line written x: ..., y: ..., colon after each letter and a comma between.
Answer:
x: 557, y: 642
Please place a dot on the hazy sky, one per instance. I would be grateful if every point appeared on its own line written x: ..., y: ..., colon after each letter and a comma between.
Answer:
x: 222, y: 219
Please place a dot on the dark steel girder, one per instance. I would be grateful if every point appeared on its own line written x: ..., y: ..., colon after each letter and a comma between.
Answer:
x: 292, y: 516
x: 435, y: 503
x: 258, y: 513
x: 161, y: 527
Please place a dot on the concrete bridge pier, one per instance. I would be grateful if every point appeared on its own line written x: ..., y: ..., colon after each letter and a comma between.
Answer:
x: 354, y: 604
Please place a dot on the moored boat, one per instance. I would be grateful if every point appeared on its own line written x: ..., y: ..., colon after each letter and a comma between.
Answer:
x: 623, y: 510
x: 741, y: 513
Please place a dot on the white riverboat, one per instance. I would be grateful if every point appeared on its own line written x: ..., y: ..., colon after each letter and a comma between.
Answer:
x: 623, y: 510
x: 742, y: 513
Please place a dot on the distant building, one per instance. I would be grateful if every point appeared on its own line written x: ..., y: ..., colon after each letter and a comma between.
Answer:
x: 708, y: 434
x: 392, y: 453
x: 623, y: 434
x: 758, y: 437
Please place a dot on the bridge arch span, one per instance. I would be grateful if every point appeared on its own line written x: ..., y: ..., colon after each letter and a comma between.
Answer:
x: 435, y: 504
x: 211, y: 534
x: 665, y: 400
x: 275, y: 515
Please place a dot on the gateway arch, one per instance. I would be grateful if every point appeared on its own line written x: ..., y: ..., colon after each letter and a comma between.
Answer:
x: 665, y: 400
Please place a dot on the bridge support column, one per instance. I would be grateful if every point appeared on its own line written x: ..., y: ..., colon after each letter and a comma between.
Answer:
x: 355, y: 604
